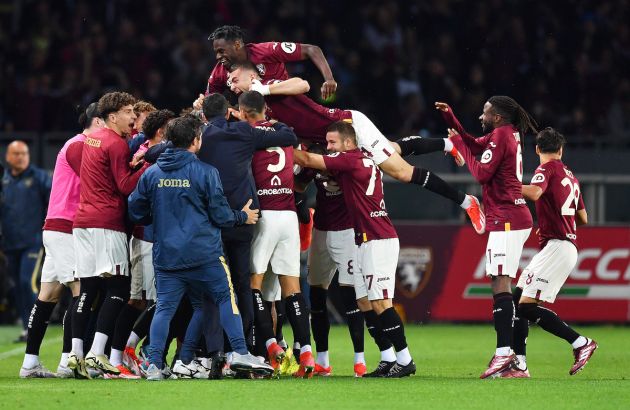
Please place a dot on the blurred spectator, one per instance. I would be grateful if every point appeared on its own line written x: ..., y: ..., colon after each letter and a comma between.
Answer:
x: 563, y: 60
x: 25, y: 193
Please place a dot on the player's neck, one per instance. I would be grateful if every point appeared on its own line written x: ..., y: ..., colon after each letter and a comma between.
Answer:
x: 113, y: 127
x: 544, y: 158
x: 253, y: 121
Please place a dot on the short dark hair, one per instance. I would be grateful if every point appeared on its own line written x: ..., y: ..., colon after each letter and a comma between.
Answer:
x: 549, y: 141
x: 246, y: 65
x: 345, y: 130
x: 182, y: 131
x: 156, y: 120
x: 252, y: 101
x: 112, y: 102
x: 87, y: 116
x: 214, y: 105
x: 230, y: 33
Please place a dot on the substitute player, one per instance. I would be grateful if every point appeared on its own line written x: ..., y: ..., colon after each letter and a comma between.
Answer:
x: 500, y: 172
x: 100, y: 241
x: 560, y: 208
x: 58, y: 269
x: 276, y: 240
x: 310, y: 120
x: 374, y: 233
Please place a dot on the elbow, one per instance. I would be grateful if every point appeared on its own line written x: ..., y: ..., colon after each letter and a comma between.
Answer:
x: 305, y: 87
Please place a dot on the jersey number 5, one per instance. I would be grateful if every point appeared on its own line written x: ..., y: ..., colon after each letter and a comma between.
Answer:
x: 572, y: 198
x: 281, y: 160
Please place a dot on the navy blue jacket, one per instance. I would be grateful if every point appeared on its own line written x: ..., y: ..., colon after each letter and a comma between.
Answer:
x: 135, y: 143
x: 24, y: 204
x: 184, y: 200
x: 230, y: 147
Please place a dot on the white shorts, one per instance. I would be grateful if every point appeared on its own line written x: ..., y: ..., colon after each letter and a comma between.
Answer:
x: 59, y: 261
x: 378, y: 260
x: 142, y: 274
x: 543, y: 278
x: 332, y: 251
x: 503, y: 252
x: 276, y: 241
x: 271, y: 291
x: 370, y: 139
x: 100, y: 252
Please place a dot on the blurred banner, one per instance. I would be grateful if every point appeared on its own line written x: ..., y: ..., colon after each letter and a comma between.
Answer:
x: 441, y: 275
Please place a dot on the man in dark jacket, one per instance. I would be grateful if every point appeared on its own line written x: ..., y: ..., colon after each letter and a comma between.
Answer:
x: 25, y: 194
x: 184, y: 200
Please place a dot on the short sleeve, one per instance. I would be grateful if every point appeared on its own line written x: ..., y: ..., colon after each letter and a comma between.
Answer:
x: 541, y: 178
x: 336, y: 163
x: 277, y: 52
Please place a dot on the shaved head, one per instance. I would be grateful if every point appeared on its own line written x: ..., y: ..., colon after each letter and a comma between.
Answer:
x: 18, y: 157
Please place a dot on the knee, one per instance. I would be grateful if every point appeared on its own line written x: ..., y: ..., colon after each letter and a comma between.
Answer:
x: 364, y: 304
x: 381, y: 305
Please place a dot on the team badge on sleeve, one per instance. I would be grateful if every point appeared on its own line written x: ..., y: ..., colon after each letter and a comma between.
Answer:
x: 288, y: 48
x: 538, y: 178
x: 486, y: 156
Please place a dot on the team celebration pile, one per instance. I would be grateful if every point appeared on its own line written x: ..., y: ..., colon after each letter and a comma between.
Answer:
x: 189, y: 228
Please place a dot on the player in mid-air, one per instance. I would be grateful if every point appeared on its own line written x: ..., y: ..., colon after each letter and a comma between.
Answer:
x: 500, y: 172
x: 287, y: 103
x: 276, y: 240
x: 560, y: 208
x: 374, y: 233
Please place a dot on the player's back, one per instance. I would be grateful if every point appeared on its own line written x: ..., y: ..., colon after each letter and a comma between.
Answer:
x: 273, y: 174
x: 362, y: 184
x: 503, y: 200
x: 557, y: 206
x: 308, y: 119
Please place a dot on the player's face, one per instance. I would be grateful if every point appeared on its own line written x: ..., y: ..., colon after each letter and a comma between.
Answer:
x: 334, y: 143
x: 140, y: 120
x: 487, y: 117
x: 124, y: 120
x: 226, y: 51
x: 240, y: 80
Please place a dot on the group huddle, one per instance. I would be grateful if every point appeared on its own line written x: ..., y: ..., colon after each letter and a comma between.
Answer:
x: 214, y: 201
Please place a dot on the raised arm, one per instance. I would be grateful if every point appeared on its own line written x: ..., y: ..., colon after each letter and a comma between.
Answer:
x: 476, y: 145
x: 315, y: 54
x: 482, y: 170
x: 292, y: 86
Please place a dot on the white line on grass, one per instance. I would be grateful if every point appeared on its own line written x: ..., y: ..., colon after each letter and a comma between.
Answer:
x: 20, y: 350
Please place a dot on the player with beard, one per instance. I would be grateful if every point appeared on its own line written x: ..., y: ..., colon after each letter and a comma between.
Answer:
x: 287, y: 103
x: 500, y: 172
x: 560, y: 208
x: 374, y: 234
x: 99, y: 236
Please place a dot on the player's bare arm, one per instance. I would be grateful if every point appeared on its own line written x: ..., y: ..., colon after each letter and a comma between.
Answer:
x: 581, y: 217
x: 532, y: 192
x: 308, y: 160
x: 315, y: 54
x: 292, y: 86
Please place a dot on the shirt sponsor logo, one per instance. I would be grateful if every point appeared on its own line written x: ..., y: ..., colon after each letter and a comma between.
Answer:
x: 538, y: 178
x: 288, y: 48
x: 92, y: 142
x: 274, y: 191
x: 173, y: 183
x: 571, y: 236
x: 486, y: 156
x: 519, y: 201
x: 334, y: 154
x: 275, y: 180
x: 378, y: 214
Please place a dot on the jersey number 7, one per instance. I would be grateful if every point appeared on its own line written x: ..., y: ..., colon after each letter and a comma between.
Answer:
x: 368, y: 163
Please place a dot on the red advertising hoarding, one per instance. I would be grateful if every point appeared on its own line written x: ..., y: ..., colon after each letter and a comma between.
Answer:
x: 441, y: 275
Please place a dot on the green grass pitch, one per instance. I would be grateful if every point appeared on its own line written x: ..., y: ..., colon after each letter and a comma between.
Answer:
x: 449, y: 359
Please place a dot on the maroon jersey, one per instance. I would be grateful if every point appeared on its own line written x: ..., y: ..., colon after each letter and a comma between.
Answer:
x: 308, y: 119
x: 560, y: 199
x: 362, y: 184
x: 331, y: 213
x: 106, y: 181
x: 273, y: 174
x: 269, y: 59
x: 499, y: 171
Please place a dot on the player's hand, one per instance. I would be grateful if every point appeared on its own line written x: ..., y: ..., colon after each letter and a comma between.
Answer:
x: 137, y: 160
x: 452, y: 132
x: 441, y: 106
x: 329, y: 88
x: 197, y: 104
x: 234, y: 113
x: 258, y: 86
x: 252, y: 214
